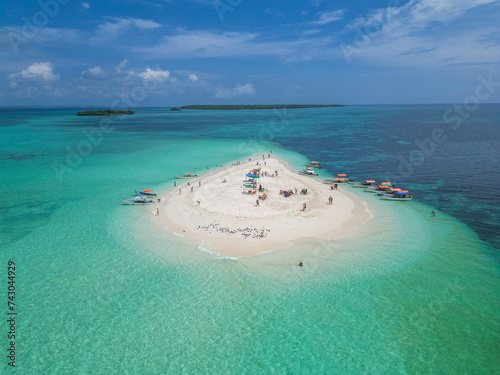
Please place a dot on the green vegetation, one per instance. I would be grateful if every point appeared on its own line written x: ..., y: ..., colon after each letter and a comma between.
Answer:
x: 228, y: 107
x: 175, y: 109
x: 106, y: 112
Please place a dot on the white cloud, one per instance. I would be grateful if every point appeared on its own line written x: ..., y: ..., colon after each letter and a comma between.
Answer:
x: 193, y: 78
x: 36, y: 72
x: 114, y: 27
x: 235, y: 92
x: 96, y: 72
x: 86, y: 5
x: 155, y: 75
x: 331, y: 16
x: 394, y: 35
x: 203, y: 44
x: 122, y: 66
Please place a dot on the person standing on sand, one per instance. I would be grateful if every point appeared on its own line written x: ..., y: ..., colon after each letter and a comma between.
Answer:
x: 180, y: 192
x: 157, y: 211
x: 257, y: 202
x: 191, y: 189
x: 199, y: 183
x: 304, y: 206
x: 198, y: 202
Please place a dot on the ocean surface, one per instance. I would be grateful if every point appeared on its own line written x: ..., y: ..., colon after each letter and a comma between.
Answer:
x: 99, y: 290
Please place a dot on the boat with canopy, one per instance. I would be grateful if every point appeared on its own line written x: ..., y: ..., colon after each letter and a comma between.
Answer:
x: 365, y: 184
x: 314, y: 164
x: 403, y: 195
x: 147, y: 192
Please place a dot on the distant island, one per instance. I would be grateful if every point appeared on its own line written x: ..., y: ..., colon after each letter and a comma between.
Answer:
x: 175, y: 109
x: 105, y: 112
x: 229, y: 107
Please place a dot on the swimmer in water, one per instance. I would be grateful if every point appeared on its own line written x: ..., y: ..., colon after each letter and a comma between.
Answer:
x: 301, y: 264
x: 433, y: 213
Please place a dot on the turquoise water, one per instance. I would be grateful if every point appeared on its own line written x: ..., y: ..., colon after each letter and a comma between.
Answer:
x: 101, y: 291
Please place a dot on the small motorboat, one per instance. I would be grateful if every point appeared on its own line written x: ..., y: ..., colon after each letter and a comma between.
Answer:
x: 365, y: 184
x: 186, y: 175
x: 146, y: 192
x: 389, y: 192
x: 352, y: 180
x: 138, y: 200
x: 308, y: 172
x: 403, y: 195
x: 314, y: 164
x: 379, y: 188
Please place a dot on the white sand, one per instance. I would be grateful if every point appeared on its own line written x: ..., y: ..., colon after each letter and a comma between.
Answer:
x: 229, y: 223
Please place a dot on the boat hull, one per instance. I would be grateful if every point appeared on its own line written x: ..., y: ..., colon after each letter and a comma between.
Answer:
x: 395, y: 199
x: 308, y: 174
x: 126, y: 201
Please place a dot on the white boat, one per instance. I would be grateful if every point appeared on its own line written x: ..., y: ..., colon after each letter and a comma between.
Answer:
x: 308, y: 172
x: 365, y: 184
x: 314, y: 164
x: 389, y: 192
x: 186, y: 175
x: 138, y: 200
x: 383, y: 187
x: 403, y: 195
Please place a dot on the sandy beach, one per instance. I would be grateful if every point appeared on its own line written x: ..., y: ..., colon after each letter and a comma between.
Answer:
x: 230, y: 223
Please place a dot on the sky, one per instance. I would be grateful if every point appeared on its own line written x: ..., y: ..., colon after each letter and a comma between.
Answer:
x: 140, y: 53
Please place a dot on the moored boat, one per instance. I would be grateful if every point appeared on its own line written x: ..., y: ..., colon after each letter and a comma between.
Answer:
x: 186, y: 175
x: 138, y: 200
x: 146, y: 192
x: 308, y: 172
x: 403, y: 195
x: 314, y: 164
x: 365, y: 184
x: 378, y: 189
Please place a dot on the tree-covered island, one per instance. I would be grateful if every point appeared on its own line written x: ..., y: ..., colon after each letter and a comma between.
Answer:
x: 105, y: 112
x: 228, y: 107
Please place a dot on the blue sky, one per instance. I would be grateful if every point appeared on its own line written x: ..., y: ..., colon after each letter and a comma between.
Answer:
x: 172, y: 52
